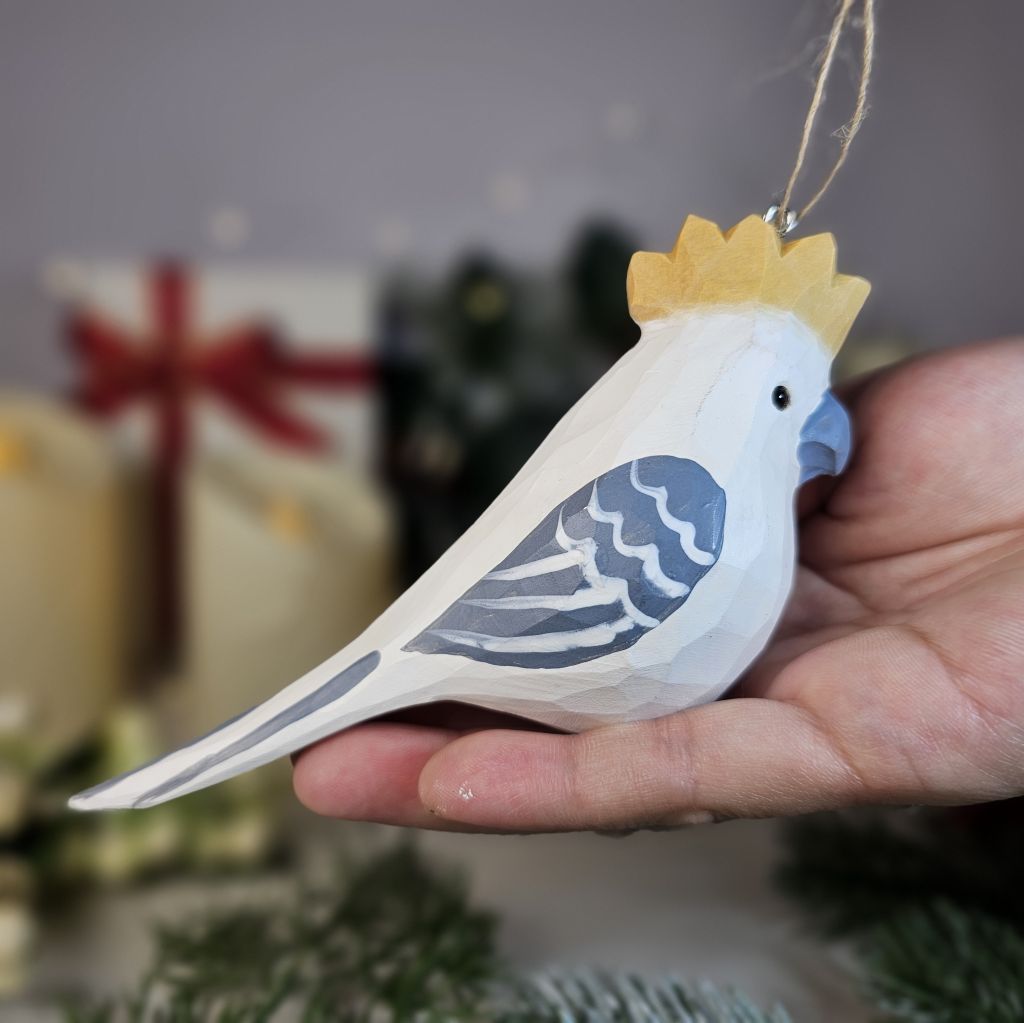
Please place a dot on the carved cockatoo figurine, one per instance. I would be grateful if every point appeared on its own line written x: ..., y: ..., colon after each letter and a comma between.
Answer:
x: 639, y: 561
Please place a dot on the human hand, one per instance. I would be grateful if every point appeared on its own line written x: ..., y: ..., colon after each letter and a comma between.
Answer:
x: 895, y: 677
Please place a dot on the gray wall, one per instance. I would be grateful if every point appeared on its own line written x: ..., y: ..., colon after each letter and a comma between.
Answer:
x: 345, y: 130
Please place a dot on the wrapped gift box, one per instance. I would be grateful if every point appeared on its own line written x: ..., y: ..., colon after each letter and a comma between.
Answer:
x: 233, y: 361
x: 287, y: 560
x: 62, y: 637
x: 315, y: 313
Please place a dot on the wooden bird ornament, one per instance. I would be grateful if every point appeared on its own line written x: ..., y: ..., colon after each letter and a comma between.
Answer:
x: 639, y: 561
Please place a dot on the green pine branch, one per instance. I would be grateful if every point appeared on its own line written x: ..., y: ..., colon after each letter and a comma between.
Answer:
x: 610, y: 998
x: 396, y: 941
x: 940, y: 963
x: 932, y: 903
x: 851, y: 872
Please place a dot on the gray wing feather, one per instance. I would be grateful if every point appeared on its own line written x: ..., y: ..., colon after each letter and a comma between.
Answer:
x: 603, y: 568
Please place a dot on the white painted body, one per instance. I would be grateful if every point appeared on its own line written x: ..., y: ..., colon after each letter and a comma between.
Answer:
x: 698, y: 386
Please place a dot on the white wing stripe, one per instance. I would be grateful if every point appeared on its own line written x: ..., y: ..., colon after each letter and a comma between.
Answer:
x: 544, y: 566
x: 648, y: 553
x: 686, y: 530
x: 601, y: 590
x: 601, y: 583
x: 582, y: 598
x: 541, y: 643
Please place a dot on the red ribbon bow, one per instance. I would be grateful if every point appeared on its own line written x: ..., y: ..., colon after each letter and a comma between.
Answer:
x: 244, y: 367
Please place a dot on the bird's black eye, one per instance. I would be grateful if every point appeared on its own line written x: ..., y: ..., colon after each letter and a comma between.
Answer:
x: 780, y: 397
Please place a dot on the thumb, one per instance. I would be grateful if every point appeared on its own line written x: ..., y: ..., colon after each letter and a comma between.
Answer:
x: 737, y: 758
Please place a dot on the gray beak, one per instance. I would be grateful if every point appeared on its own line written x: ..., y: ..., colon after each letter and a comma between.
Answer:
x: 825, y: 440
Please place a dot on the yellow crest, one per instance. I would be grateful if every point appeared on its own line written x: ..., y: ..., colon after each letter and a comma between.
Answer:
x: 748, y: 263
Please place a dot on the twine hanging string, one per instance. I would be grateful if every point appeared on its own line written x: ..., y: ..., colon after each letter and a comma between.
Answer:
x: 781, y: 214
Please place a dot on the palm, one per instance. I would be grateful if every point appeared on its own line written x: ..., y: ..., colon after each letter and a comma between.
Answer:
x: 912, y: 577
x: 895, y: 675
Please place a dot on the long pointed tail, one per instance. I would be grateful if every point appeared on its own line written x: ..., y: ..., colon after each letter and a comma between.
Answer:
x: 279, y: 726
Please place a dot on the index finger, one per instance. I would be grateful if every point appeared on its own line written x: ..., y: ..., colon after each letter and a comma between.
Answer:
x: 738, y: 758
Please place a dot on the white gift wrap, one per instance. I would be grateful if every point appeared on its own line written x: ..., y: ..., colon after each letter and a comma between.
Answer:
x: 315, y: 310
x: 287, y: 558
x: 62, y: 636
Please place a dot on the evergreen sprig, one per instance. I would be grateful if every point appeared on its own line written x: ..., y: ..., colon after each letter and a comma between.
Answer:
x: 607, y: 998
x: 852, y: 872
x: 398, y: 941
x: 933, y: 905
x: 940, y: 963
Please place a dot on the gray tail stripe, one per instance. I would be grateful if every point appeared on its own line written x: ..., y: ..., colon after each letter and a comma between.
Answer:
x: 342, y: 683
